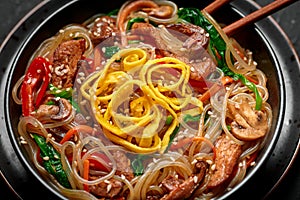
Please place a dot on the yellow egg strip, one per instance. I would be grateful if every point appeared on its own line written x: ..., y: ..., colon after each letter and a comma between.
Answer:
x: 132, y: 119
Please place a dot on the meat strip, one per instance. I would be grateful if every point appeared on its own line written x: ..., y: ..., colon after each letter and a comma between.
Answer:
x: 102, y: 29
x: 227, y: 155
x: 194, y: 41
x: 123, y: 165
x: 185, y: 189
x: 65, y: 60
x: 107, y: 189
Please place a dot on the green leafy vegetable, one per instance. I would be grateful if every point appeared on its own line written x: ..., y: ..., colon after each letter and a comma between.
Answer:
x: 110, y: 51
x: 113, y: 12
x: 65, y: 93
x: 218, y: 47
x: 190, y: 118
x: 134, y: 20
x: 51, y: 161
x: 169, y: 119
x: 137, y: 164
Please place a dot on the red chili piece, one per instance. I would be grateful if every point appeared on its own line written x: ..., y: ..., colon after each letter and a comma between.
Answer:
x: 35, y: 84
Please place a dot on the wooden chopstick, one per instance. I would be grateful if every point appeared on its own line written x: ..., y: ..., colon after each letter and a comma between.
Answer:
x: 257, y: 15
x: 216, y: 5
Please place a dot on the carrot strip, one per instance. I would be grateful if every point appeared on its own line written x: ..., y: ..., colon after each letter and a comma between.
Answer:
x: 97, y: 59
x: 86, y: 170
x: 73, y: 131
x: 252, y: 79
x: 215, y: 88
x: 203, y: 139
x: 181, y: 143
x: 251, y: 159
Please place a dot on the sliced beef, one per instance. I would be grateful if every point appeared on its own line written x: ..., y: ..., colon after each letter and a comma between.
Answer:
x: 197, y: 36
x: 194, y: 41
x: 65, y: 60
x: 227, y: 155
x: 123, y: 165
x: 185, y: 189
x: 106, y: 189
x: 102, y: 29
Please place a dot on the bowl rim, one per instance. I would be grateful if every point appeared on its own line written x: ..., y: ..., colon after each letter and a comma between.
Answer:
x: 39, y: 6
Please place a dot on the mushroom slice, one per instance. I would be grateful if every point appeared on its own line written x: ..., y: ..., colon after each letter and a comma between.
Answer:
x: 65, y: 109
x: 248, y: 124
x: 45, y: 112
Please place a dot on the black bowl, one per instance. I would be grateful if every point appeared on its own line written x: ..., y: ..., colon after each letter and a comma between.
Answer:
x: 270, y: 48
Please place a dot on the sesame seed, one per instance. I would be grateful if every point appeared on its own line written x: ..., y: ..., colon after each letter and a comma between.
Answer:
x: 87, y: 117
x: 23, y: 142
x: 39, y: 71
x: 109, y: 186
x: 56, y: 157
x: 83, y: 102
x: 194, y: 161
x: 81, y: 74
x: 123, y: 177
x: 78, y: 81
x: 209, y: 162
x: 213, y: 167
x: 46, y: 158
x: 29, y: 81
x: 195, y: 179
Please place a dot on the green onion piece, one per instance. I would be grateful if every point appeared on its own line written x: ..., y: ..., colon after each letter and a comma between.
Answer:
x: 134, y: 41
x: 254, y: 89
x: 218, y: 46
x: 65, y: 93
x: 169, y: 119
x: 110, y: 51
x: 113, y: 12
x: 137, y: 164
x: 134, y: 20
x: 190, y: 118
x: 51, y: 160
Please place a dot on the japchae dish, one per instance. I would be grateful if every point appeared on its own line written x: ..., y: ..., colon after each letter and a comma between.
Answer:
x: 149, y: 101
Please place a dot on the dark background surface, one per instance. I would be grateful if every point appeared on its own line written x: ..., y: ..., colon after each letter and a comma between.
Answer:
x: 12, y: 11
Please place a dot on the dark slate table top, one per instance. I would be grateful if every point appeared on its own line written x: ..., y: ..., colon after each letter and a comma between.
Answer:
x: 12, y: 11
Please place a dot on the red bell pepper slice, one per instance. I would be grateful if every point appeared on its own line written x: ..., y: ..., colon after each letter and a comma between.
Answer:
x: 35, y: 84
